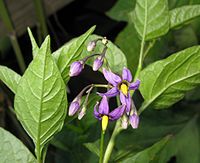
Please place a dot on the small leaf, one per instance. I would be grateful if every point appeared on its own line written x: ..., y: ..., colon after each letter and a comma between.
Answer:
x: 149, y: 154
x: 114, y: 56
x: 165, y: 82
x: 41, y: 102
x: 13, y: 150
x: 10, y: 78
x: 180, y: 16
x: 69, y: 53
x: 35, y: 48
x: 151, y: 18
x: 121, y: 10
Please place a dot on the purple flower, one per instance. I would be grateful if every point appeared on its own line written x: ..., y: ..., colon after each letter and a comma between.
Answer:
x: 76, y: 68
x: 121, y: 85
x: 74, y: 106
x: 134, y: 120
x: 98, y: 62
x: 103, y: 113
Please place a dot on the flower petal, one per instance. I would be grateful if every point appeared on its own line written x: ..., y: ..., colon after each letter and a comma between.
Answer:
x: 117, y: 113
x: 134, y: 120
x: 103, y: 106
x: 96, y: 113
x: 135, y: 85
x: 126, y: 100
x: 110, y: 93
x: 126, y: 75
x: 111, y: 77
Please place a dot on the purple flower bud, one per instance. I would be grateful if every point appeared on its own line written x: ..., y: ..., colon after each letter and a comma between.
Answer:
x: 134, y: 120
x: 98, y: 62
x: 73, y: 108
x: 76, y: 68
x: 91, y: 46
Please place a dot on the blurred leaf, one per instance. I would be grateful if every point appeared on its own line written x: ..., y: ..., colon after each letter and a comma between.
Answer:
x: 151, y: 18
x: 93, y: 147
x: 115, y: 57
x: 10, y: 78
x: 35, y: 48
x: 69, y: 53
x: 41, y: 102
x: 121, y: 10
x: 180, y: 16
x: 165, y: 82
x: 13, y: 150
x: 129, y: 43
x: 185, y: 146
x: 149, y: 154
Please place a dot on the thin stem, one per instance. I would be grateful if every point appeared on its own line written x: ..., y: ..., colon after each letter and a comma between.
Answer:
x: 38, y: 154
x: 151, y: 44
x: 101, y: 85
x: 101, y: 147
x: 18, y: 52
x: 111, y: 143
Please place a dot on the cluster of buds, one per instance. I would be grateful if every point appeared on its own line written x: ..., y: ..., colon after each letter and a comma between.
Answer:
x: 117, y: 86
x: 78, y: 66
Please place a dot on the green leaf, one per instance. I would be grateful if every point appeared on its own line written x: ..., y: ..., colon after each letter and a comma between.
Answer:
x: 129, y: 43
x: 180, y: 16
x: 149, y: 154
x: 41, y: 102
x: 120, y: 11
x: 185, y: 146
x: 93, y: 147
x: 165, y: 82
x: 115, y: 57
x: 13, y: 150
x: 10, y: 78
x: 35, y: 48
x: 151, y: 18
x: 69, y: 53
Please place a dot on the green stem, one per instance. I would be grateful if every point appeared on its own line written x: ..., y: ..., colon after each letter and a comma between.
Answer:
x: 101, y: 85
x: 18, y: 52
x: 101, y: 147
x: 111, y: 143
x: 38, y: 154
x: 41, y: 17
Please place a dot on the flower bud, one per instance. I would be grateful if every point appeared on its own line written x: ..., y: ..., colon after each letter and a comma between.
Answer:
x: 124, y: 123
x: 73, y: 108
x: 98, y: 62
x: 134, y: 120
x: 76, y: 68
x: 91, y: 46
x: 82, y: 113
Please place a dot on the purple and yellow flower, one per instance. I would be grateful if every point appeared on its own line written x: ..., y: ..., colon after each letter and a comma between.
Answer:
x: 121, y: 86
x: 103, y: 113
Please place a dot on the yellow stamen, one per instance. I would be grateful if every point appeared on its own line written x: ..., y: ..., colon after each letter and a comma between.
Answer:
x: 124, y: 89
x: 104, y: 122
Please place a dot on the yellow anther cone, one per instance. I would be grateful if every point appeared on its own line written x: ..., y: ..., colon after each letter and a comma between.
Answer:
x: 104, y: 122
x: 124, y: 89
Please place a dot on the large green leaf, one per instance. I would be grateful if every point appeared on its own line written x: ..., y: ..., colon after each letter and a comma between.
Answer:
x: 10, y: 78
x: 149, y: 154
x: 129, y: 43
x: 115, y: 57
x: 41, y: 102
x: 151, y: 18
x: 185, y: 146
x: 13, y: 150
x: 165, y: 82
x: 180, y: 16
x: 121, y: 9
x: 70, y: 52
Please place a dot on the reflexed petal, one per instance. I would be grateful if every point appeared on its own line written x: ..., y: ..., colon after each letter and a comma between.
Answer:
x: 110, y: 93
x: 126, y: 100
x: 73, y: 108
x: 134, y: 85
x: 117, y: 113
x: 126, y: 75
x: 111, y: 77
x: 103, y: 106
x: 96, y: 113
x: 134, y: 120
